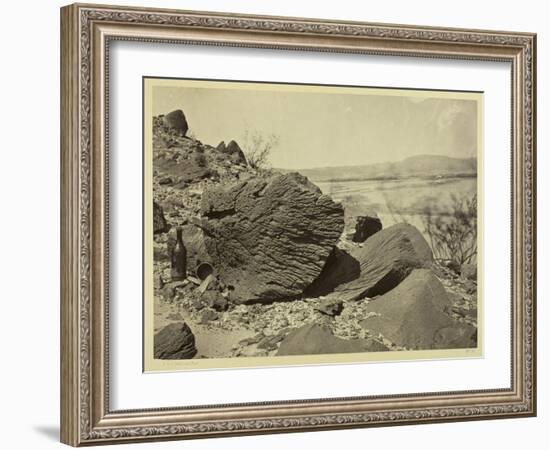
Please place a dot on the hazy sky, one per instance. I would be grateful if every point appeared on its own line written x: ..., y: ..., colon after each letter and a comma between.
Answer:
x: 318, y: 129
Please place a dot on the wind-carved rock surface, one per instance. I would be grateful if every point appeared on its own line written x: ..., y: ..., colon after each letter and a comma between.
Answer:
x: 269, y: 238
x: 385, y: 259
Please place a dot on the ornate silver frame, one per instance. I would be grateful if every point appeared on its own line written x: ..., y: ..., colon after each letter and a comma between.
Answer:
x: 86, y: 31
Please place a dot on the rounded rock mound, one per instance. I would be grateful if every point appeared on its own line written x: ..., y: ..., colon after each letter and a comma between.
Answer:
x: 176, y: 121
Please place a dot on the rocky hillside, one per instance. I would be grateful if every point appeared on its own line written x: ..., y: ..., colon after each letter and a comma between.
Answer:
x: 274, y: 267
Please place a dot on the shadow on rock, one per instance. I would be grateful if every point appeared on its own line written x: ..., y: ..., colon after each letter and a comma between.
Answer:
x: 340, y: 268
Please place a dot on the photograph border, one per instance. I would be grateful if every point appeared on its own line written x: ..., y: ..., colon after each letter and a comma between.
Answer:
x: 86, y: 32
x: 151, y: 365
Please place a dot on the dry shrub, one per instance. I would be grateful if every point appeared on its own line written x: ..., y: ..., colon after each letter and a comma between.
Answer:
x: 453, y: 231
x: 257, y: 148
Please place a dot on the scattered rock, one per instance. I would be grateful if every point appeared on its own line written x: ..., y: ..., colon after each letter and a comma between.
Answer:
x: 464, y: 312
x: 385, y: 259
x: 208, y: 315
x: 314, y: 339
x: 175, y: 341
x: 169, y: 290
x: 177, y: 122
x: 158, y: 282
x: 197, y: 303
x: 160, y: 252
x: 166, y: 180
x: 252, y: 340
x: 365, y: 227
x: 250, y: 352
x: 330, y: 306
x: 269, y: 238
x: 187, y: 167
x: 159, y: 222
x: 215, y: 300
x: 470, y: 286
x: 174, y: 316
x: 415, y: 313
x: 469, y: 271
x: 270, y: 342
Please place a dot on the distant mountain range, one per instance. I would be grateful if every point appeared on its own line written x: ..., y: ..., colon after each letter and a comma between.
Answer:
x: 415, y: 166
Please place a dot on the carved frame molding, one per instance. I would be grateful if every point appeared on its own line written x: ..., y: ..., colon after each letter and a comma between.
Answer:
x: 86, y: 31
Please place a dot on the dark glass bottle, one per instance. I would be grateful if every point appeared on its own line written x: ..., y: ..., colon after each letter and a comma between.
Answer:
x: 178, y: 258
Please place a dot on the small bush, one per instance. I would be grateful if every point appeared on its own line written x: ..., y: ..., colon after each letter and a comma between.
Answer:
x: 257, y: 148
x: 453, y: 232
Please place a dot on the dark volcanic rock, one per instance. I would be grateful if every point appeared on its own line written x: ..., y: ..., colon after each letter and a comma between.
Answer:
x: 385, y: 259
x: 159, y: 222
x: 215, y: 300
x: 232, y: 147
x: 270, y: 342
x: 176, y: 121
x: 269, y: 238
x: 365, y: 227
x: 169, y: 290
x: 415, y: 315
x: 175, y: 341
x: 330, y: 306
x: 235, y: 152
x: 207, y: 315
x: 313, y: 339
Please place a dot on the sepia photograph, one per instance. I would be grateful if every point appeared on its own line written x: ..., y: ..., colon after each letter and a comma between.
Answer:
x: 290, y: 224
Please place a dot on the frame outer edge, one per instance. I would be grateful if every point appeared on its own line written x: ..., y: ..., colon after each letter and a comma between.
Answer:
x: 70, y: 299
x: 79, y: 393
x: 533, y: 224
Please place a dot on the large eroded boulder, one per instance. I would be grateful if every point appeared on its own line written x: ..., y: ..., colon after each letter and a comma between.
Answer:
x: 415, y: 315
x: 269, y: 238
x: 385, y: 259
x: 314, y: 339
x: 176, y: 121
x: 175, y: 341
